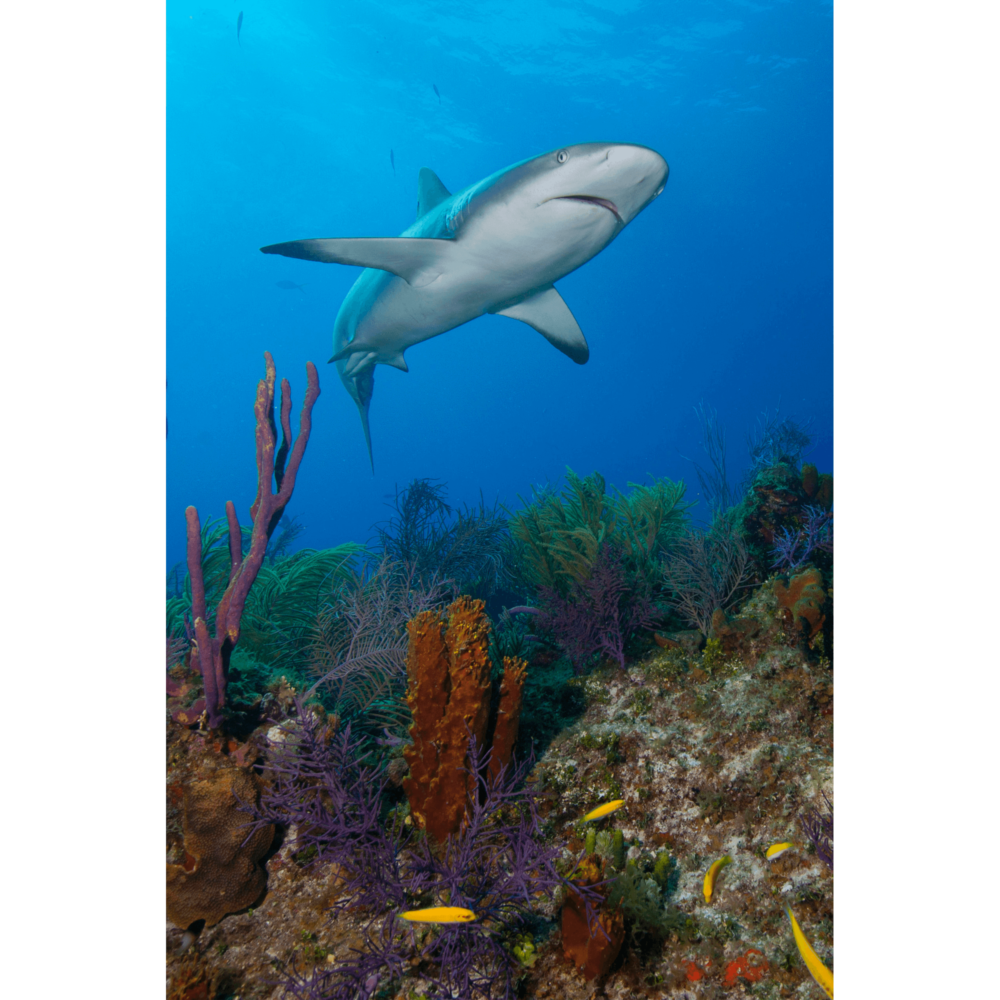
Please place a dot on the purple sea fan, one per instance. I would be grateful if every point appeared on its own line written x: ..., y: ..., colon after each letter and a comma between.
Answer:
x: 323, y: 785
x: 793, y: 548
x: 818, y: 827
x: 496, y: 866
x: 599, y: 614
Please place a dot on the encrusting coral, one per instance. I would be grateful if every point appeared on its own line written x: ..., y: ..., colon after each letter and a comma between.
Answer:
x: 448, y: 670
x: 221, y: 872
x: 802, y: 599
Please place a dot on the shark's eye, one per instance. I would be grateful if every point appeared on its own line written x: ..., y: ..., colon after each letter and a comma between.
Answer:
x: 562, y: 156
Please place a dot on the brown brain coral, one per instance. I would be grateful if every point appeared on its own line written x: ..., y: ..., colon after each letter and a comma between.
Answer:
x: 220, y: 874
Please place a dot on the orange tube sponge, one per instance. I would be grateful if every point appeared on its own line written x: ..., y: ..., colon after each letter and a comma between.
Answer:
x: 448, y: 668
x: 509, y: 714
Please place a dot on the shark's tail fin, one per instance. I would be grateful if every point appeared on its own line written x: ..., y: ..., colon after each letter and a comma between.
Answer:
x: 361, y: 388
x: 368, y: 435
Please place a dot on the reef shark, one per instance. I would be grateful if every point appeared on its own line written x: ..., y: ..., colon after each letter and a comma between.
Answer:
x: 494, y: 247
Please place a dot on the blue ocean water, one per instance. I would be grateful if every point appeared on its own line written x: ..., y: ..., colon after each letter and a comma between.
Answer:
x: 720, y: 292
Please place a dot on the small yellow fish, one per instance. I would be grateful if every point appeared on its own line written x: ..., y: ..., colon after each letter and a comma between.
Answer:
x: 440, y: 915
x: 776, y: 850
x: 602, y: 811
x: 816, y: 968
x: 714, y: 870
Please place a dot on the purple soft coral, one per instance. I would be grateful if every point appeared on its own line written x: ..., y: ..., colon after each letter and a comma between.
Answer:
x: 793, y: 548
x: 599, y: 614
x: 496, y: 867
x: 818, y: 827
x: 322, y: 784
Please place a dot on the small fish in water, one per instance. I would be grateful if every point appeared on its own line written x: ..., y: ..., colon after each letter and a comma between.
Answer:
x: 819, y: 972
x: 392, y: 160
x: 440, y: 915
x: 436, y: 91
x: 776, y: 850
x: 710, y: 875
x: 290, y: 286
x: 602, y: 811
x: 239, y: 25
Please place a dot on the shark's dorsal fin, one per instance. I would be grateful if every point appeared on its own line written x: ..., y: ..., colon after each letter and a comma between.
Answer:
x: 546, y: 312
x: 415, y: 260
x: 430, y: 191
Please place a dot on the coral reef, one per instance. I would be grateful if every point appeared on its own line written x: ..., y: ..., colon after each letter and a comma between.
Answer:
x: 213, y: 651
x: 221, y: 871
x: 410, y: 787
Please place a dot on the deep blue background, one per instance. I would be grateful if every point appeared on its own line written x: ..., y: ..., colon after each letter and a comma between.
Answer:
x: 721, y: 291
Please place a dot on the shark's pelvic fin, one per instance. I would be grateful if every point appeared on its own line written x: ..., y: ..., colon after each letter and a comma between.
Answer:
x: 546, y: 312
x: 417, y: 261
x: 398, y: 362
x: 430, y: 191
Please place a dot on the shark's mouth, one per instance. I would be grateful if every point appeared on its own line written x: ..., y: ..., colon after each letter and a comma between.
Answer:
x: 591, y: 200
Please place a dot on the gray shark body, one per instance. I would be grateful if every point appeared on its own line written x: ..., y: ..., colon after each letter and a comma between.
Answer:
x: 495, y: 247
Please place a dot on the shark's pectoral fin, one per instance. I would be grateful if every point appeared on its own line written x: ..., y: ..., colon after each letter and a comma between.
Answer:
x: 547, y: 313
x: 415, y: 260
x: 430, y: 191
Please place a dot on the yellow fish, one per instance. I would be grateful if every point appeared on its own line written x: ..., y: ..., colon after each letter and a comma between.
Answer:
x: 601, y: 811
x: 775, y: 850
x: 440, y: 915
x: 714, y: 870
x: 816, y: 968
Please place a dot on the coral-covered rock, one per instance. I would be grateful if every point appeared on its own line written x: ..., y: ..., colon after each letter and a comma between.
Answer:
x: 591, y: 946
x: 690, y: 640
x: 221, y: 872
x: 732, y: 633
x: 777, y: 494
x: 802, y: 599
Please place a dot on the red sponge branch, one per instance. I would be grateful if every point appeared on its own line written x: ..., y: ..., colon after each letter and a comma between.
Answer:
x: 212, y: 653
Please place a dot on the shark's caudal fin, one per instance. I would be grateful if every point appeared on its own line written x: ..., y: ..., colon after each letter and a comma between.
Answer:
x: 363, y: 387
x: 430, y: 191
x: 546, y: 312
x: 415, y: 260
